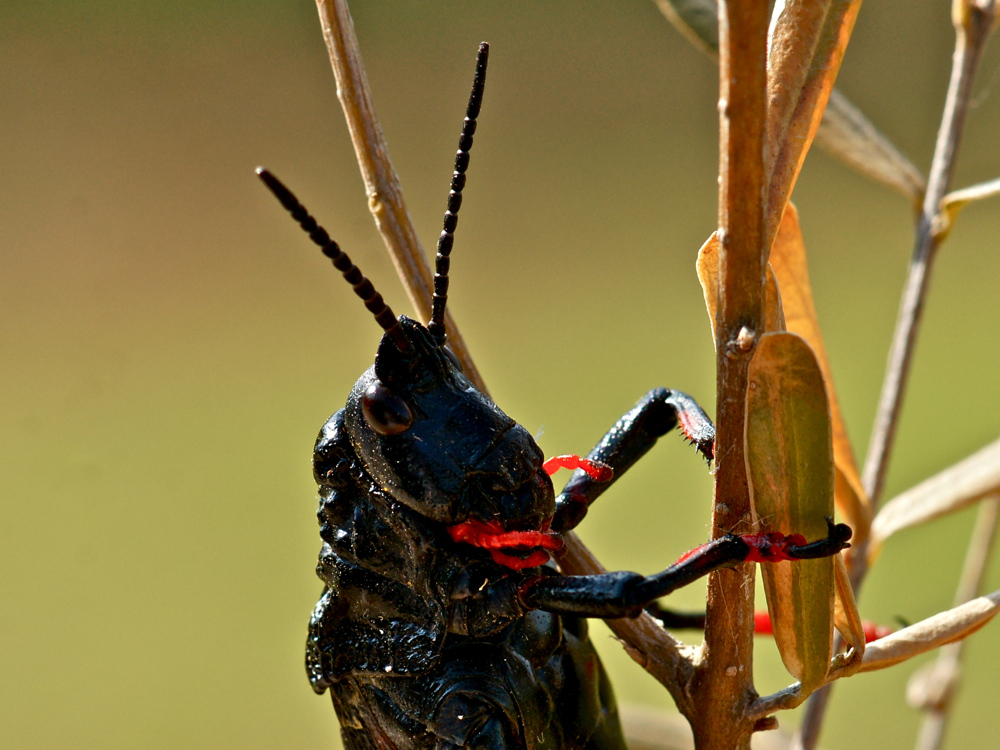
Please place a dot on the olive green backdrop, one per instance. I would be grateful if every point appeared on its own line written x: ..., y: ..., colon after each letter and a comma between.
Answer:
x: 170, y: 343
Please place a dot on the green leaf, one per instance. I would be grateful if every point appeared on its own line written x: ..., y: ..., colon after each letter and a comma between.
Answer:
x: 789, y: 453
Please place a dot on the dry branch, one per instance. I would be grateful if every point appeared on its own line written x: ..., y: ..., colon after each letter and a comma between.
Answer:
x: 385, y: 195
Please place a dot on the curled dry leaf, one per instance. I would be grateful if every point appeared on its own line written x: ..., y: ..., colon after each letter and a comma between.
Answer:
x: 944, y: 627
x: 789, y: 456
x: 708, y: 274
x: 954, y: 488
x: 808, y: 40
x: 788, y: 259
x: 846, y: 617
x: 956, y: 200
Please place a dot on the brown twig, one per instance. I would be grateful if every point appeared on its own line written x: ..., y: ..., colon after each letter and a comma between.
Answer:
x: 385, y: 196
x: 973, y: 24
x: 723, y: 684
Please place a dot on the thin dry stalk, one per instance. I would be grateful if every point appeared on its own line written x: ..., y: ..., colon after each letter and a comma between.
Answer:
x: 385, y: 195
x: 971, y: 38
x: 723, y: 685
x: 933, y: 689
x: 973, y: 24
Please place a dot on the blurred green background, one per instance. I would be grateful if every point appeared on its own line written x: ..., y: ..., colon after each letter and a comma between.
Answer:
x: 171, y: 343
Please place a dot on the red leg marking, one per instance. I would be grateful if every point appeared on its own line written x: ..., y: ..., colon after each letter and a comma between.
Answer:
x: 772, y: 546
x: 595, y: 469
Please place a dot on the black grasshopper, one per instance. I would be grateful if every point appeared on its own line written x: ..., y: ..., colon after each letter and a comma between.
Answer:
x: 443, y: 622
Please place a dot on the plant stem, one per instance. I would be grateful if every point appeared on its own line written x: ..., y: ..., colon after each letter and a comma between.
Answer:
x: 970, y: 42
x: 723, y: 684
x: 972, y: 31
x: 385, y: 195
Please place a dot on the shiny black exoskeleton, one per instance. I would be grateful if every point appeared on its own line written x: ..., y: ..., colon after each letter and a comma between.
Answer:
x: 443, y: 623
x: 425, y: 642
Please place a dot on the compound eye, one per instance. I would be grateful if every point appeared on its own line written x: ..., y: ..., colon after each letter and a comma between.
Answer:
x: 386, y: 412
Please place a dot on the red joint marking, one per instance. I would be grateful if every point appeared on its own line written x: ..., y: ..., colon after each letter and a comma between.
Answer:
x: 771, y: 546
x: 762, y: 622
x: 490, y: 535
x: 688, y: 554
x: 595, y: 469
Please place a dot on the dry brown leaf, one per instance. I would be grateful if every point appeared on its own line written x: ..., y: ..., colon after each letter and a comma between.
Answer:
x: 788, y: 259
x: 708, y: 274
x: 808, y: 39
x: 846, y: 617
x: 707, y: 267
x: 944, y: 627
x: 954, y: 488
x: 774, y: 313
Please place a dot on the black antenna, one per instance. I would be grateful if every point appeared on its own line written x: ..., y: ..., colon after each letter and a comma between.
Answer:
x: 447, y: 238
x: 384, y: 316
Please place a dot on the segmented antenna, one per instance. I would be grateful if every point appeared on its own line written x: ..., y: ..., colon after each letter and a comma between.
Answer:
x: 384, y: 316
x: 447, y: 238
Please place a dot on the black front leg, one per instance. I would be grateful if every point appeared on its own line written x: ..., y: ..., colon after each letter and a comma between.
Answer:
x: 659, y: 411
x: 626, y: 594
